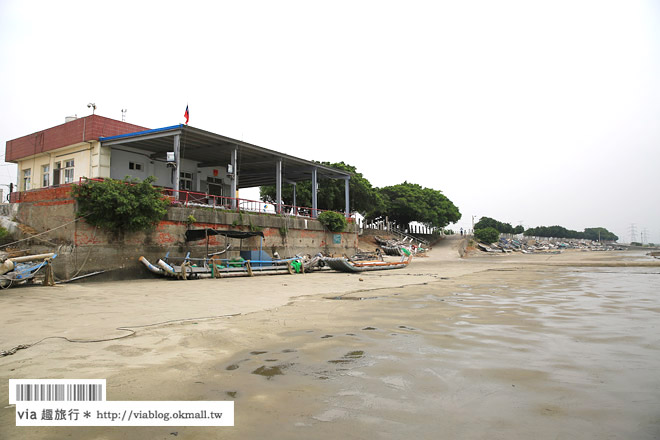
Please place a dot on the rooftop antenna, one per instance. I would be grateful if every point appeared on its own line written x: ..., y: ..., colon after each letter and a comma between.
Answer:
x: 92, y: 106
x: 123, y: 115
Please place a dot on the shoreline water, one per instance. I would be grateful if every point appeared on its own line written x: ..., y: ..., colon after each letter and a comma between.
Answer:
x: 446, y: 333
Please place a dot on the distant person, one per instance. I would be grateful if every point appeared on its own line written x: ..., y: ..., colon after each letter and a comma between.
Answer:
x: 461, y: 232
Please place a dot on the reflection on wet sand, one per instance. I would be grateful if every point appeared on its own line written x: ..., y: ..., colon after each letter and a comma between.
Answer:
x: 507, y: 355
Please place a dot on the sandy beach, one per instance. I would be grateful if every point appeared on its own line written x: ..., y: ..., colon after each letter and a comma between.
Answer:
x: 556, y: 346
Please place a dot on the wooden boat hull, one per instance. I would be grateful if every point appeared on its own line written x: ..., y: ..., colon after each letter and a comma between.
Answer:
x: 244, y: 268
x: 344, y: 265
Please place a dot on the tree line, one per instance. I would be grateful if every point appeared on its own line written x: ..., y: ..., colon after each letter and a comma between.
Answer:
x: 595, y: 234
x: 401, y: 204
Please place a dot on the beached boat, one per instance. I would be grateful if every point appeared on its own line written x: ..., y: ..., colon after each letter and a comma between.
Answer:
x: 18, y: 270
x: 487, y: 248
x: 195, y: 268
x: 392, y: 250
x: 346, y: 265
x: 215, y: 267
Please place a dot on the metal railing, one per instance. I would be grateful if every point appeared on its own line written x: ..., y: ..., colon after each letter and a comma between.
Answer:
x: 405, y: 236
x: 192, y: 199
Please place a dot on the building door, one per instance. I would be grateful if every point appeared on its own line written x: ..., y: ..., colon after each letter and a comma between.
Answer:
x: 215, y: 186
x: 215, y: 189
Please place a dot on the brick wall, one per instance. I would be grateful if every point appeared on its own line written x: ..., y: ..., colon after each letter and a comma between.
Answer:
x: 83, y: 129
x: 44, y: 197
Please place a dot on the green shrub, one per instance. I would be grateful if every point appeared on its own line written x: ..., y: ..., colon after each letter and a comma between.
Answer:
x: 334, y: 221
x: 4, y: 235
x: 487, y: 235
x: 121, y: 205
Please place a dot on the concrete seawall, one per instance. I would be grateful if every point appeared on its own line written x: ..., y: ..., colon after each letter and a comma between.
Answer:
x: 83, y: 248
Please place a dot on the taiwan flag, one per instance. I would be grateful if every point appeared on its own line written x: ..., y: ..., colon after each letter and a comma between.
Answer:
x: 186, y: 115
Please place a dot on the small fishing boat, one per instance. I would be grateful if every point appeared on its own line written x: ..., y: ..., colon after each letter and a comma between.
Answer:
x: 212, y: 266
x: 195, y: 268
x: 392, y: 250
x: 18, y: 270
x: 345, y: 265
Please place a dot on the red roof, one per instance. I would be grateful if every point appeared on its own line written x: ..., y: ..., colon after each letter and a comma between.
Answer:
x: 80, y: 130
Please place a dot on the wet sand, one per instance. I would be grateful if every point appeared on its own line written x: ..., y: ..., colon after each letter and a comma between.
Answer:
x: 493, y: 346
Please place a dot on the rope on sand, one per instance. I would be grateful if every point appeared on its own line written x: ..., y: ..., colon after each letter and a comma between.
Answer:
x: 129, y: 329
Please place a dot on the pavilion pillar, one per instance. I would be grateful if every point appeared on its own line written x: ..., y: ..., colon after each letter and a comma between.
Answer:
x: 278, y: 186
x: 347, y: 199
x: 234, y: 177
x: 177, y: 167
x: 315, y: 190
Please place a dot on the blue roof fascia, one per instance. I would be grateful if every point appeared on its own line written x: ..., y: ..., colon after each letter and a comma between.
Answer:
x: 139, y: 133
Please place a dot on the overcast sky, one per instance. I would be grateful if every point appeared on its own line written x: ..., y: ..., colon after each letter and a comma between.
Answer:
x: 536, y: 112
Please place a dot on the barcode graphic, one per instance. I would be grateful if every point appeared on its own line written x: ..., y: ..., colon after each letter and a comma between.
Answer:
x: 32, y: 392
x: 58, y: 392
x: 80, y: 392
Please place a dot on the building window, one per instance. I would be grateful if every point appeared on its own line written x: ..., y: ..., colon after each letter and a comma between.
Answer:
x: 68, y: 171
x: 185, y: 181
x: 45, y: 176
x: 215, y: 180
x: 27, y: 179
x: 135, y: 166
x: 57, y: 173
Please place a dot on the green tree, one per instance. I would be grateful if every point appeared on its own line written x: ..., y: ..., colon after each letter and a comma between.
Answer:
x: 504, y: 228
x: 364, y: 198
x: 408, y: 202
x: 599, y: 233
x: 121, y: 205
x: 486, y: 222
x: 487, y: 235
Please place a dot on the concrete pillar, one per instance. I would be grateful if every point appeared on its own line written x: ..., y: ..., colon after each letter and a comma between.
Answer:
x: 347, y: 199
x: 295, y: 205
x: 234, y: 177
x: 278, y: 186
x: 315, y: 189
x: 177, y: 162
